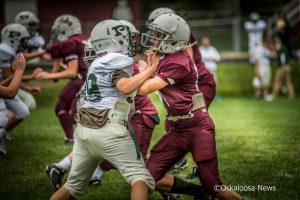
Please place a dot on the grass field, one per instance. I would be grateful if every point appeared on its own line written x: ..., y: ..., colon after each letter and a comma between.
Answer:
x: 257, y: 142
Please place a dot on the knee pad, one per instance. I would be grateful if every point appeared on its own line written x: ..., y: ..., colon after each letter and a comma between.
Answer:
x: 23, y: 113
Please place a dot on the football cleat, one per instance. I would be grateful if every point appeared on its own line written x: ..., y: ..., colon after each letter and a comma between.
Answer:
x: 55, y: 174
x: 69, y: 141
x: 194, y: 173
x: 181, y: 164
x: 95, y: 181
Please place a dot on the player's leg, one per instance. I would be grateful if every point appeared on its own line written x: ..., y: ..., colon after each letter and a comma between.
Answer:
x: 3, y: 121
x: 289, y: 84
x: 120, y: 150
x: 203, y: 149
x: 166, y: 152
x: 27, y: 99
x: 19, y: 110
x: 64, y: 106
x: 143, y: 127
x: 83, y: 165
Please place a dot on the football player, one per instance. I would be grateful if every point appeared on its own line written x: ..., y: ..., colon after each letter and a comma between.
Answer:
x: 67, y: 53
x: 143, y: 120
x: 206, y: 82
x: 254, y: 27
x: 33, y: 50
x: 35, y: 41
x: 13, y: 41
x: 191, y: 128
x: 101, y: 132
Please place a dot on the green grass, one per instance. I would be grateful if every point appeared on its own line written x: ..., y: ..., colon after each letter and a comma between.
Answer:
x: 257, y: 143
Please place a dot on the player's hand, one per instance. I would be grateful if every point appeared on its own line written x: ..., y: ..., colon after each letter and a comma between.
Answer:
x: 35, y: 90
x: 42, y: 75
x: 142, y: 65
x: 153, y: 60
x: 36, y: 71
x: 19, y: 63
x: 148, y: 54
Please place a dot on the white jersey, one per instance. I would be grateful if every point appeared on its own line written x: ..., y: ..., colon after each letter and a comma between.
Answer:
x: 7, y: 55
x: 255, y: 32
x: 210, y: 56
x: 263, y: 55
x: 99, y: 92
x: 35, y: 42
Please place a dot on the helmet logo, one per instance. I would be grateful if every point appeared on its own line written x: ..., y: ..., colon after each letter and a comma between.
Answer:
x: 65, y: 21
x: 118, y: 30
x: 24, y: 17
x: 14, y: 34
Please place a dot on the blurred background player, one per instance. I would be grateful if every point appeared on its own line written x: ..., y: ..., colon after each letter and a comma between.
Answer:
x: 67, y: 52
x: 13, y: 41
x: 35, y: 41
x: 283, y: 71
x: 8, y: 90
x: 255, y: 28
x: 210, y: 57
x: 34, y: 50
x: 262, y: 79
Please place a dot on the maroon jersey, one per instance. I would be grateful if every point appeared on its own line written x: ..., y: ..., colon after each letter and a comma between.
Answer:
x: 205, y: 77
x: 55, y: 50
x: 143, y: 104
x: 179, y: 71
x: 71, y: 49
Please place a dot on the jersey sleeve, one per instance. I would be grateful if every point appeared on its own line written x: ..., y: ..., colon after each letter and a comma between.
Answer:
x: 117, y: 75
x: 55, y: 51
x: 69, y: 51
x: 173, y: 73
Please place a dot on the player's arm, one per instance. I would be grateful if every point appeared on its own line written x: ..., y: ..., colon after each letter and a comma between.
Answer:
x: 130, y: 84
x: 152, y: 85
x: 34, y: 54
x: 15, y: 80
x: 70, y: 72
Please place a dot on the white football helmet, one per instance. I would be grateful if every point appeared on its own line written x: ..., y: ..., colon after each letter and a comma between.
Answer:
x: 132, y: 40
x: 15, y: 35
x: 109, y: 36
x: 168, y: 33
x: 65, y: 26
x: 89, y: 54
x: 254, y: 16
x: 158, y: 12
x: 26, y: 18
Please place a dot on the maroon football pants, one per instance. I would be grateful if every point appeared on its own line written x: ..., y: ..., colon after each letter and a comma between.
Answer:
x: 67, y: 103
x: 195, y: 135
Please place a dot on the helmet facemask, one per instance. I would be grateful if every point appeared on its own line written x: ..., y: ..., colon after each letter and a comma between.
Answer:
x: 89, y: 54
